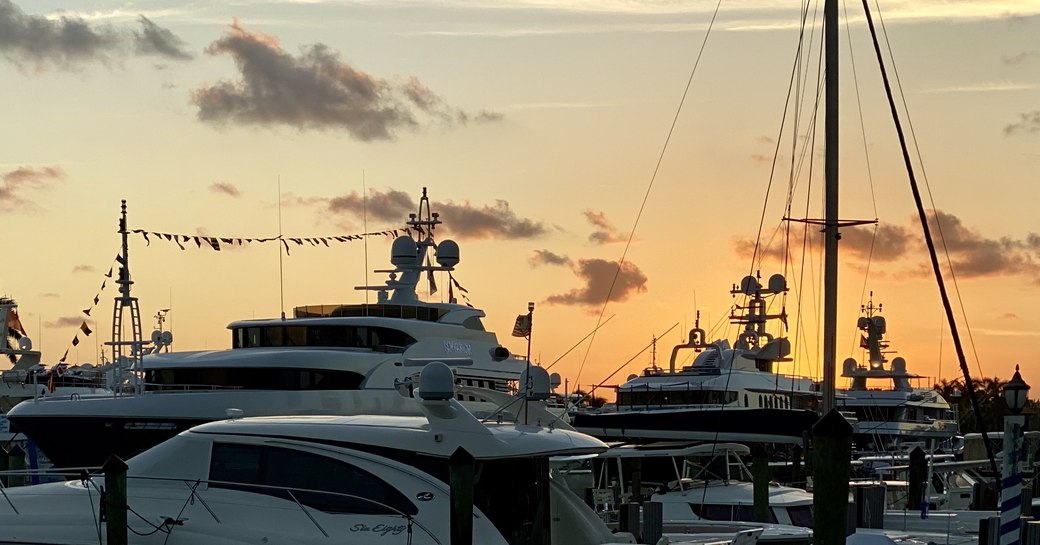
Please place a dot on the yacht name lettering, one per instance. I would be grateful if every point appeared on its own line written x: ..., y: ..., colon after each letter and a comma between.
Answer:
x: 457, y: 346
x: 381, y: 529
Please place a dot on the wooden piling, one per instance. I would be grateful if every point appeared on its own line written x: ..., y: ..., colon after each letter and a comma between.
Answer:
x: 760, y: 482
x: 916, y: 477
x: 115, y: 501
x: 832, y: 455
x: 461, y: 480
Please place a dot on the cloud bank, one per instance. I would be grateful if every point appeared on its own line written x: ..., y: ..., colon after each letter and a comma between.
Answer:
x: 22, y: 180
x: 317, y: 90
x: 68, y: 42
x: 598, y: 275
x: 605, y: 232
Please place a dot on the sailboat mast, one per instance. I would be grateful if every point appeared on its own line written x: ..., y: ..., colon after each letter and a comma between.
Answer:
x: 830, y: 231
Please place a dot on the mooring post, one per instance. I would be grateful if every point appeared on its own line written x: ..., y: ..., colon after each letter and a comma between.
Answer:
x: 832, y: 455
x: 461, y: 479
x: 917, y: 475
x: 115, y: 500
x: 796, y: 467
x: 760, y: 481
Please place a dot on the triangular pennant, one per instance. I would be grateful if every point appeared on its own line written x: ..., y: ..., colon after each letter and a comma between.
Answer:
x: 120, y: 260
x: 85, y: 329
x: 168, y: 236
x: 228, y: 240
x: 65, y: 357
x: 145, y: 235
x: 96, y: 299
x: 75, y: 341
x: 213, y: 242
x: 103, y: 283
x: 324, y: 241
x: 109, y: 274
x: 286, y: 244
x: 87, y: 311
x: 198, y: 241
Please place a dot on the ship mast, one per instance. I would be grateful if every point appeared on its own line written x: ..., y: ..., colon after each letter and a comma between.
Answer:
x: 830, y: 231
x: 126, y: 352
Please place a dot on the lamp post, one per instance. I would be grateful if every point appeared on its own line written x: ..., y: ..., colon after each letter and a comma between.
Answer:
x: 1016, y: 391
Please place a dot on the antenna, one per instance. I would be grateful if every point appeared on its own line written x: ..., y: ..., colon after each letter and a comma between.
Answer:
x: 364, y: 216
x: 281, y: 270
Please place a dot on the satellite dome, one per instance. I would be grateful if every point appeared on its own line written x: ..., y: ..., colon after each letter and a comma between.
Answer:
x: 404, y: 252
x: 448, y: 253
x: 436, y: 381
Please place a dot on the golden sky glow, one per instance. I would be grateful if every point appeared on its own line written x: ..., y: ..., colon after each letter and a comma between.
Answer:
x: 550, y: 114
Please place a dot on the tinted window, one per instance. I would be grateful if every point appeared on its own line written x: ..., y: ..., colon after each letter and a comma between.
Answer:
x: 316, y: 481
x: 253, y: 378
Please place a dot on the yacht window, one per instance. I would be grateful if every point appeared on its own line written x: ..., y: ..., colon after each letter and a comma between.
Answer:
x: 320, y: 482
x: 745, y: 400
x: 253, y: 378
x: 253, y: 336
x: 473, y: 322
x: 296, y: 336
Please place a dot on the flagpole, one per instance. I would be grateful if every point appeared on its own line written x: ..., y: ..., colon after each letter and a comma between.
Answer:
x: 530, y: 333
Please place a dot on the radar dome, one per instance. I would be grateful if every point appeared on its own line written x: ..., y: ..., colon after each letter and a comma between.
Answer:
x: 404, y: 252
x: 167, y: 337
x: 25, y: 343
x: 537, y: 388
x: 849, y: 366
x: 448, y: 253
x: 899, y: 365
x: 777, y: 283
x: 749, y: 285
x: 436, y: 381
x: 554, y: 380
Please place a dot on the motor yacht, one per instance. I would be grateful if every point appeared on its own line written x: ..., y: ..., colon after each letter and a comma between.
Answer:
x: 317, y: 479
x: 325, y: 359
x: 898, y: 413
x: 728, y: 393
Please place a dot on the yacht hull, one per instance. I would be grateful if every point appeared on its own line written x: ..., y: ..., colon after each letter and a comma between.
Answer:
x: 736, y: 424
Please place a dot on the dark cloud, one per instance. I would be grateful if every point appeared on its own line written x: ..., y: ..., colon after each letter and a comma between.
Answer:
x: 226, y: 188
x: 763, y: 139
x: 389, y: 206
x: 37, y: 42
x: 65, y: 321
x: 973, y: 255
x: 890, y: 242
x: 1008, y: 316
x: 466, y: 221
x: 22, y: 178
x: 155, y: 40
x: 316, y: 90
x: 1019, y: 58
x: 49, y: 295
x: 1028, y: 122
x: 605, y: 232
x: 545, y: 257
x: 761, y: 158
x: 84, y: 268
x: 598, y: 274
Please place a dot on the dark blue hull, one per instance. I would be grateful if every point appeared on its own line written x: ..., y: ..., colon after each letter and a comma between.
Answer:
x: 694, y: 424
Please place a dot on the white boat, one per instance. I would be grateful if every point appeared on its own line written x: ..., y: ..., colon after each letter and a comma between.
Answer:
x: 728, y: 393
x: 320, y: 479
x: 900, y: 414
x: 28, y: 378
x: 326, y: 359
x: 345, y: 479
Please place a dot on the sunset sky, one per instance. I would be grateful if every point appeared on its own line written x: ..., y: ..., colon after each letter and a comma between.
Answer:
x: 537, y: 126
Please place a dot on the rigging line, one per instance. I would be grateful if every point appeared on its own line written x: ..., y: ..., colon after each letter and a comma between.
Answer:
x: 776, y: 150
x: 866, y: 155
x: 649, y: 187
x: 928, y: 188
x: 364, y: 215
x: 281, y: 270
x: 931, y: 245
x: 630, y: 360
x: 589, y: 334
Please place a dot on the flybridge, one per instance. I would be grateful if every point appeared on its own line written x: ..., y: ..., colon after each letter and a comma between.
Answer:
x: 382, y: 310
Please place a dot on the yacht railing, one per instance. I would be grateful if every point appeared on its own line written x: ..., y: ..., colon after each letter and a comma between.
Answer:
x: 194, y: 494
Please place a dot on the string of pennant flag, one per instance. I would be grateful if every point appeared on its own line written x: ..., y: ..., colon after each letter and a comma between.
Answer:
x: 84, y: 328
x: 216, y: 243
